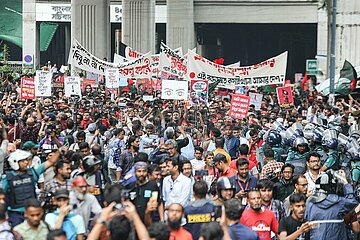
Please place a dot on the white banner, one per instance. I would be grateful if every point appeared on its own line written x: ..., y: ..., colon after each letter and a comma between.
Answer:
x: 138, y: 68
x: 112, y: 78
x: 271, y: 71
x: 171, y: 62
x: 256, y: 100
x: 172, y: 89
x: 43, y: 83
x: 119, y: 59
x: 81, y: 58
x: 72, y: 86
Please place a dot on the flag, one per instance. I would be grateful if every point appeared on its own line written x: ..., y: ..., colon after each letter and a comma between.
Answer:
x: 344, y: 83
x: 347, y: 81
x: 304, y: 83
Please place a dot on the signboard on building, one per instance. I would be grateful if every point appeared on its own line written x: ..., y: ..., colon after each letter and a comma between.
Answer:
x: 312, y: 66
x: 57, y: 12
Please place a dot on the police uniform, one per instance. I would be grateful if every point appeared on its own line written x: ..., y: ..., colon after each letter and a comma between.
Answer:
x: 297, y: 160
x: 333, y: 160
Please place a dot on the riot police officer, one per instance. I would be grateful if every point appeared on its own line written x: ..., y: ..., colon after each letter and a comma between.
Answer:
x: 316, y: 146
x: 273, y: 140
x: 225, y: 190
x: 332, y: 161
x: 297, y: 155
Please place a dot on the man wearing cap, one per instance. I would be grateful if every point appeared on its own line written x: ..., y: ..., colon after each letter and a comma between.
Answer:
x: 35, y: 162
x: 146, y: 194
x: 83, y: 203
x: 64, y: 218
x: 19, y: 183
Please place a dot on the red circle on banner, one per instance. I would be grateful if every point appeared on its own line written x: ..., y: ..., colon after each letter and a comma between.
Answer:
x: 192, y: 75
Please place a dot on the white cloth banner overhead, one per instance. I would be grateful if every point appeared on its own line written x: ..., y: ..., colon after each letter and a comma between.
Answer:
x: 171, y: 62
x: 112, y: 78
x: 42, y: 83
x: 172, y: 89
x: 271, y: 71
x: 72, y: 86
x: 119, y: 59
x: 81, y: 58
x: 138, y: 68
x: 256, y: 100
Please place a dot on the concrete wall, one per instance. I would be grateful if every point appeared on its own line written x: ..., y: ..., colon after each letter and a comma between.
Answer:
x: 30, y: 31
x: 90, y: 25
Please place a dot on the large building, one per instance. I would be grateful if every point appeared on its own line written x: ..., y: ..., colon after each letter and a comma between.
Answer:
x: 237, y: 30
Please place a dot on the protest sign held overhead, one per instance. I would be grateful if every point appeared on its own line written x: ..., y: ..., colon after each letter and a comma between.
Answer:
x: 43, y: 83
x: 198, y: 92
x: 112, y: 78
x: 271, y: 71
x: 72, y: 86
x: 176, y: 90
x: 256, y: 99
x: 285, y: 96
x: 27, y: 88
x: 239, y: 106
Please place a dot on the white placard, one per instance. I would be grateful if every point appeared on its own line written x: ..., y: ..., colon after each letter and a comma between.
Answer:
x: 112, y: 78
x: 72, y: 86
x: 172, y: 89
x: 43, y: 83
x: 256, y: 100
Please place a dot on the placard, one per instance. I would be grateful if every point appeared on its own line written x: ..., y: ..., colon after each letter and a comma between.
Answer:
x: 176, y: 90
x: 198, y: 92
x: 112, y: 78
x: 256, y: 100
x: 27, y: 88
x: 72, y: 86
x: 285, y: 96
x: 239, y: 106
x: 43, y: 83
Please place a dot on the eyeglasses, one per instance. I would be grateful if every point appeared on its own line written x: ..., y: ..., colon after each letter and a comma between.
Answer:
x: 314, y: 161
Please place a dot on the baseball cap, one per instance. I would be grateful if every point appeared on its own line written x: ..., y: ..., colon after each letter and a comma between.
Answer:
x: 29, y: 145
x: 91, y: 127
x: 61, y: 193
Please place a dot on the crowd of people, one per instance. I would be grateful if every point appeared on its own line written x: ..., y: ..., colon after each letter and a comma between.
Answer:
x: 105, y: 167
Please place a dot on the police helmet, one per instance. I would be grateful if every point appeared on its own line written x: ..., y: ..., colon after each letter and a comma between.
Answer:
x: 300, y: 141
x: 224, y: 183
x: 331, y: 143
x: 16, y: 157
x: 273, y: 139
x: 89, y: 162
x: 317, y: 137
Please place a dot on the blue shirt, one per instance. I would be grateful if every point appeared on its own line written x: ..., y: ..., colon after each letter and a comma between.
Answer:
x: 232, y: 146
x: 36, y: 173
x: 240, y: 231
x: 251, y: 183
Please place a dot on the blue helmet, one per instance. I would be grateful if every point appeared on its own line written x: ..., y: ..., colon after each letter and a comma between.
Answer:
x: 317, y: 137
x: 273, y: 139
x: 331, y: 143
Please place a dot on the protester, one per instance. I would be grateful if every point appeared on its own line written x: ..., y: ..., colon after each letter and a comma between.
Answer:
x: 178, y: 161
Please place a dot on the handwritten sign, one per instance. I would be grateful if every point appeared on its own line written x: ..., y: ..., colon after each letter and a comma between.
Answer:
x: 27, y: 88
x: 43, y: 83
x: 72, y: 86
x: 239, y: 106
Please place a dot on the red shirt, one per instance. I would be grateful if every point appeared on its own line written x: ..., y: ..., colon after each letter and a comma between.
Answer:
x: 180, y: 234
x: 228, y: 173
x: 233, y: 164
x: 253, y: 151
x: 263, y: 223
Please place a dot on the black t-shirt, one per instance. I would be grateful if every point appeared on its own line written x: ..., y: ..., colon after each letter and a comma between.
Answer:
x: 290, y: 225
x: 143, y: 194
